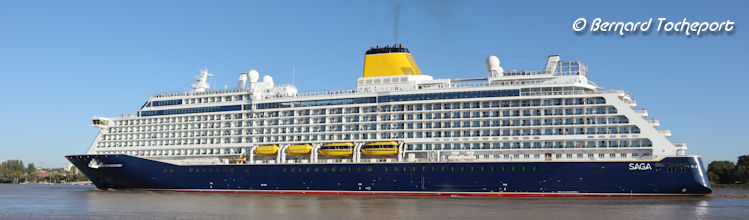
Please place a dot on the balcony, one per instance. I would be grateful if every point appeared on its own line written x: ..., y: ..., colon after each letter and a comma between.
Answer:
x: 667, y: 133
x: 681, y: 145
x: 632, y: 103
x: 654, y: 122
x: 642, y: 112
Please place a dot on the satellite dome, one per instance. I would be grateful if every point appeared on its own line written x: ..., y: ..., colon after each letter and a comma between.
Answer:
x: 492, y: 65
x: 492, y: 61
x: 254, y: 75
x: 267, y: 78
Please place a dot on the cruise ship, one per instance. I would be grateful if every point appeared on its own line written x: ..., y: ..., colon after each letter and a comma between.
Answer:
x: 547, y: 132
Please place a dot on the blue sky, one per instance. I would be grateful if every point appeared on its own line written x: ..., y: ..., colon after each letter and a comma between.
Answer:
x: 65, y: 61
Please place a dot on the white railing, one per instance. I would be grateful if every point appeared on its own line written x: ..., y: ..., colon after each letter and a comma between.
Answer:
x: 326, y: 93
x: 127, y: 116
x: 193, y: 93
x: 525, y: 73
x: 353, y: 91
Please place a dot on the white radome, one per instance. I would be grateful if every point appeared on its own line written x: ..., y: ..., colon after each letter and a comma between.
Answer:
x: 492, y: 64
x: 254, y: 75
x: 267, y: 78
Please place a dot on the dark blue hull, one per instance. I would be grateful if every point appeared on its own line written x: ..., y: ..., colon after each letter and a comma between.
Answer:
x: 669, y: 176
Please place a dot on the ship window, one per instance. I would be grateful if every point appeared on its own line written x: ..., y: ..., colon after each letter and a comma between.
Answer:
x: 452, y: 169
x: 333, y: 169
x: 462, y: 169
x: 231, y: 169
x: 525, y: 168
x: 324, y: 169
x: 369, y: 169
x: 205, y: 170
x: 513, y: 168
x: 246, y: 169
x: 535, y: 168
x: 317, y: 169
x: 190, y: 170
x: 285, y: 169
x: 165, y: 170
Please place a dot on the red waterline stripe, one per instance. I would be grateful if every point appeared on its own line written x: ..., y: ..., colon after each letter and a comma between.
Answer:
x: 437, y: 194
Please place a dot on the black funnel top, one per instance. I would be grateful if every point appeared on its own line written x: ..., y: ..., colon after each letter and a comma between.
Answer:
x: 387, y: 49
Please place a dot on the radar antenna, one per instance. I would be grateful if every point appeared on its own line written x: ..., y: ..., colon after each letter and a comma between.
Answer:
x: 201, y: 81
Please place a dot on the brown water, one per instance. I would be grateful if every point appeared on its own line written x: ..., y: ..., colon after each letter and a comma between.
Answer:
x: 83, y: 202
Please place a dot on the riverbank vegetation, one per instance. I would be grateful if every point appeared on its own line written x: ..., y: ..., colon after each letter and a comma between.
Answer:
x: 14, y: 171
x: 726, y: 174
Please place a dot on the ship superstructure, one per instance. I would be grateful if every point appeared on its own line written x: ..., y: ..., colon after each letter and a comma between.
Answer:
x: 396, y: 115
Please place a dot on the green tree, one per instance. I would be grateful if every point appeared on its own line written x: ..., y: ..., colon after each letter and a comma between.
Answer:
x: 12, y: 171
x: 742, y: 169
x: 714, y: 178
x: 725, y: 170
x: 31, y: 169
x: 743, y: 161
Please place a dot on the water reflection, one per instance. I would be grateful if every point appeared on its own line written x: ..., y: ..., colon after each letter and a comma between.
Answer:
x: 70, y: 202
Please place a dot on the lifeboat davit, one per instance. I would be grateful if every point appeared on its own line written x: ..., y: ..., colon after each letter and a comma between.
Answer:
x: 337, y: 149
x: 299, y: 149
x: 380, y: 148
x: 264, y: 150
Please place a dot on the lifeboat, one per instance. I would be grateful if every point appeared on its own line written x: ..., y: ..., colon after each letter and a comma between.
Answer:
x: 380, y: 148
x: 337, y: 149
x: 241, y: 158
x: 299, y: 149
x: 264, y: 150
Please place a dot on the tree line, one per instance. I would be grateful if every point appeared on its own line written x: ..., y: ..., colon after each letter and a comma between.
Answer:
x: 14, y: 171
x: 726, y: 172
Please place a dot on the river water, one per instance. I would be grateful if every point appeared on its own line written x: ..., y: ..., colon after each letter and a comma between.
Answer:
x: 84, y: 202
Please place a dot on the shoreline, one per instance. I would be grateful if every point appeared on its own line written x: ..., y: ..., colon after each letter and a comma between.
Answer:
x: 87, y: 183
x: 730, y: 186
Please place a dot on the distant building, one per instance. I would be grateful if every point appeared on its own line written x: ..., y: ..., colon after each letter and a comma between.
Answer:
x: 70, y: 168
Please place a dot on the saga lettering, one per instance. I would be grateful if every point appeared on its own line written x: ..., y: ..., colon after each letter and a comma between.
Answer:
x: 640, y: 166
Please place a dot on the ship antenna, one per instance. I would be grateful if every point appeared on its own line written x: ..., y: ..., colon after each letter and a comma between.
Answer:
x: 293, y: 75
x: 396, y: 14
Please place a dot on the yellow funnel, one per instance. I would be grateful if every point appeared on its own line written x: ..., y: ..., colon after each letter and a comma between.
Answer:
x: 389, y: 61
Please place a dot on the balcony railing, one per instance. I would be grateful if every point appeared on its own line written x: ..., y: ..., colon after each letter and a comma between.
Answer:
x: 654, y: 122
x: 665, y: 132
